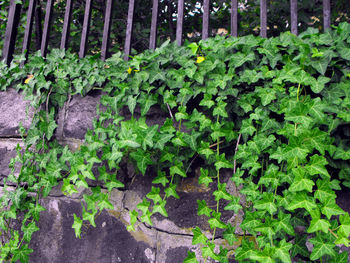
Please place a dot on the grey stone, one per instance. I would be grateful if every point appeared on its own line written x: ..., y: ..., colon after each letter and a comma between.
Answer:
x: 81, y: 112
x: 109, y: 242
x: 7, y: 152
x: 12, y: 112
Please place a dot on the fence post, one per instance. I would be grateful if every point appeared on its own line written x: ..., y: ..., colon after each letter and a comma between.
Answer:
x: 326, y: 14
x: 11, y: 31
x: 28, y: 29
x: 106, y: 30
x: 129, y: 28
x: 294, y: 16
x: 205, y: 27
x: 38, y: 29
x: 234, y: 18
x: 179, y: 22
x: 66, y: 25
x: 46, y: 32
x: 154, y: 25
x: 263, y: 18
x: 86, y: 28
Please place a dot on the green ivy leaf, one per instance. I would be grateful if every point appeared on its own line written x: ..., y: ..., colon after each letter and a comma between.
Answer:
x: 198, y: 237
x: 321, y: 248
x: 229, y: 235
x: 203, y: 208
x: 142, y: 159
x: 191, y: 257
x: 77, y: 225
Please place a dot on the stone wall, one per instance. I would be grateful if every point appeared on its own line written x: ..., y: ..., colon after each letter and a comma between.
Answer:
x: 168, y: 240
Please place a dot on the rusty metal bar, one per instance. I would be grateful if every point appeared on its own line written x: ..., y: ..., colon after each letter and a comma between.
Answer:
x: 46, y: 31
x: 11, y: 31
x: 294, y: 16
x: 28, y: 29
x: 86, y: 29
x: 205, y: 27
x: 234, y: 18
x: 263, y: 18
x: 326, y: 14
x: 66, y: 24
x: 129, y: 28
x: 106, y: 30
x: 180, y: 21
x: 38, y: 28
x: 154, y: 25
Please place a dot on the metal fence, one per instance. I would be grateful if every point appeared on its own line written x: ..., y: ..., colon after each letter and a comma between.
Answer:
x: 15, y: 12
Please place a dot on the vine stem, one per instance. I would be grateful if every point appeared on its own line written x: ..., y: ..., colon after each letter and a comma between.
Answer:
x: 236, y: 149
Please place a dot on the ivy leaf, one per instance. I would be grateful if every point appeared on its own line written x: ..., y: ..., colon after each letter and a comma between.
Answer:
x: 104, y: 202
x: 283, y: 223
x: 318, y: 85
x: 77, y: 225
x: 160, y: 208
x: 203, y: 208
x: 220, y: 110
x: 22, y: 253
x: 282, y: 251
x: 160, y: 179
x: 221, y: 162
x: 316, y: 165
x: 198, y: 237
x: 144, y: 205
x: 318, y: 224
x: 221, y: 193
x: 162, y: 140
x: 300, y: 183
x: 146, y: 218
x: 154, y: 195
x: 234, y: 205
x: 247, y: 127
x: 266, y: 203
x: 345, y: 224
x: 177, y: 169
x: 171, y: 191
x: 321, y: 248
x: 191, y: 140
x: 89, y: 216
x: 191, y: 257
x: 230, y: 235
x: 148, y: 139
x: 28, y: 231
x: 142, y: 159
x: 204, y: 178
x: 330, y: 208
x: 132, y: 103
x: 301, y: 200
x: 324, y: 192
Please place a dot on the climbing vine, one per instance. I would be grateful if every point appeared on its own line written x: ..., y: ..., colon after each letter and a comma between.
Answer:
x: 272, y: 113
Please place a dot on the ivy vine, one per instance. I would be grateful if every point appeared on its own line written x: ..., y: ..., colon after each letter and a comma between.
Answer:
x: 273, y: 113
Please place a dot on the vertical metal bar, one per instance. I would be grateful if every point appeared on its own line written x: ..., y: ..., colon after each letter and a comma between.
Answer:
x: 263, y: 18
x: 129, y: 27
x: 205, y: 27
x: 106, y: 30
x: 154, y: 25
x: 326, y: 14
x: 46, y: 32
x: 294, y: 16
x: 38, y: 29
x: 28, y: 29
x: 66, y: 24
x: 180, y: 20
x: 11, y: 31
x: 86, y: 29
x: 234, y: 18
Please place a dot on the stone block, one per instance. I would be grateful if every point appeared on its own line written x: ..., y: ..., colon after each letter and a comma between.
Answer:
x: 12, y: 112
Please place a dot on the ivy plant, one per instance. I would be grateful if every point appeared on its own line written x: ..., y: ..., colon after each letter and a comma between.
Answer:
x: 272, y: 113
